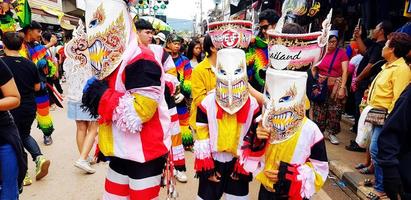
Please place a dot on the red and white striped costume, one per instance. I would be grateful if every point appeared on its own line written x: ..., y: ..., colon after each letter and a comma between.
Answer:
x: 134, y: 123
x: 171, y: 81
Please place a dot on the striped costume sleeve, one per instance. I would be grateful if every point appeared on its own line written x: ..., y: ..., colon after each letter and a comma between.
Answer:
x: 315, y: 171
x: 204, y: 163
x: 139, y: 104
x: 170, y: 75
x: 252, y: 157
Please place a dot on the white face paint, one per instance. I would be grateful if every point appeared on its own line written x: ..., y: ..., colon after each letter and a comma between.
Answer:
x: 108, y: 27
x: 231, y: 74
x: 284, y: 103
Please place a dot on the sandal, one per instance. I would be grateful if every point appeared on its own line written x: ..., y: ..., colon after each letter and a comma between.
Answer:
x: 368, y: 182
x: 376, y: 196
x: 373, y: 196
x: 360, y: 166
x: 366, y: 170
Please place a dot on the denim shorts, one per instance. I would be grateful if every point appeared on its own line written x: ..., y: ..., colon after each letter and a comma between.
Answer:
x: 75, y: 112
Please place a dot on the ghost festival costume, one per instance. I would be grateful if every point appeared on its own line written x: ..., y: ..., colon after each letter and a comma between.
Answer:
x: 171, y: 82
x: 296, y: 146
x: 128, y: 95
x: 225, y: 117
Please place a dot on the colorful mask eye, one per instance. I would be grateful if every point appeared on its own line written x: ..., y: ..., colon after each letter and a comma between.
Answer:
x: 98, y: 17
x: 238, y: 71
x: 267, y: 94
x: 93, y: 23
x: 222, y: 71
x: 285, y: 99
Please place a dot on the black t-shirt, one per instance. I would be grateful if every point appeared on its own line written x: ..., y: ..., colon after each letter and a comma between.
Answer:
x: 372, y: 55
x: 26, y: 76
x: 5, y: 76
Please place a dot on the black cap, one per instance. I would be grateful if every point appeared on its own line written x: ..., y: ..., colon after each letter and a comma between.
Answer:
x: 174, y: 38
x: 33, y: 25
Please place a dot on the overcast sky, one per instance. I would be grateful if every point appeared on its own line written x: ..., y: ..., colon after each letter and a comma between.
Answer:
x: 186, y: 9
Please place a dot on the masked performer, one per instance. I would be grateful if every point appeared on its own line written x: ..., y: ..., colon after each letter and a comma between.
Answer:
x: 224, y: 117
x: 295, y: 159
x: 128, y: 95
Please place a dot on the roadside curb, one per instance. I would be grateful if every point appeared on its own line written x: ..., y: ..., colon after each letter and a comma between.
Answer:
x: 351, y: 178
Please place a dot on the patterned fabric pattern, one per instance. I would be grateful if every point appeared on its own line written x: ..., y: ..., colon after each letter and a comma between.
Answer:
x: 257, y: 60
x: 327, y: 115
x: 184, y: 70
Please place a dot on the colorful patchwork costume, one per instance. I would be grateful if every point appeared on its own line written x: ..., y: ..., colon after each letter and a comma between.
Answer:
x: 225, y: 117
x: 37, y: 53
x: 128, y: 95
x: 257, y: 61
x: 296, y: 146
x: 184, y: 70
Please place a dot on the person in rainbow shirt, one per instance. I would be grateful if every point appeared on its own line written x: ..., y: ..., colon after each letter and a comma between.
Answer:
x: 37, y: 53
x: 257, y: 52
x: 182, y: 96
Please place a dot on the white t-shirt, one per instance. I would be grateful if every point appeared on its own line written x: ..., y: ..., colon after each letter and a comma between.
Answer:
x: 193, y: 63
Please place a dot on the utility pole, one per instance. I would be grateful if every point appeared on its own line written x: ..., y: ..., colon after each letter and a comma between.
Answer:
x: 201, y: 11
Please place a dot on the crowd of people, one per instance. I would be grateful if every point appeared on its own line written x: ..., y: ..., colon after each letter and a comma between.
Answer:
x: 208, y: 98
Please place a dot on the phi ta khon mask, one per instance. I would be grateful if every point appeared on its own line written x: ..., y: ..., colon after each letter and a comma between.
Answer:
x: 107, y: 25
x: 231, y: 74
x: 284, y: 100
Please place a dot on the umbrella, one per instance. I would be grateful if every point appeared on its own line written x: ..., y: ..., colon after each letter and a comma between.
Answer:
x: 158, y: 24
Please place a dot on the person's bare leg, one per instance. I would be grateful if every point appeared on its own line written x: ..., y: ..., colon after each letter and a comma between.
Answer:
x: 89, y: 139
x: 81, y: 134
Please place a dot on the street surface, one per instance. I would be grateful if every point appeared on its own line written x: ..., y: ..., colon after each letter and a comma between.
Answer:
x: 66, y: 182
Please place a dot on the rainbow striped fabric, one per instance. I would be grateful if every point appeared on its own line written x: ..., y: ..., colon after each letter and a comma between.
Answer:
x: 47, y: 68
x: 257, y: 59
x: 184, y: 70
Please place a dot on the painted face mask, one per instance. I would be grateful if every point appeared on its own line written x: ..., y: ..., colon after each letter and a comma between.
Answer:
x: 109, y: 30
x: 284, y: 100
x: 231, y: 74
x: 297, y: 51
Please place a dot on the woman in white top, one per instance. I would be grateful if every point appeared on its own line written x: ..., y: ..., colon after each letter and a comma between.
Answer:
x: 194, y: 52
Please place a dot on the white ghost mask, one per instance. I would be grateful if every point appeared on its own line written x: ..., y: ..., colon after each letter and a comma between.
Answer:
x: 231, y: 74
x: 284, y: 103
x: 108, y: 27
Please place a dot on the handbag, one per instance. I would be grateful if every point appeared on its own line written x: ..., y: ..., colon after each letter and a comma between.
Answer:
x: 376, y: 116
x: 319, y: 90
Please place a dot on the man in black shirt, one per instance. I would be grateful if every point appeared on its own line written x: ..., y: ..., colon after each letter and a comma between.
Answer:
x: 372, y: 54
x: 12, y: 157
x: 27, y: 80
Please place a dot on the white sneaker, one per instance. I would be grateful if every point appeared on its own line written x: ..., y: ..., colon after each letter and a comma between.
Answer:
x: 85, y: 166
x: 91, y: 160
x: 333, y: 139
x: 180, y: 176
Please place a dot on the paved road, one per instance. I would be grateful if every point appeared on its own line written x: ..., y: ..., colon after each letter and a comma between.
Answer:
x: 65, y: 182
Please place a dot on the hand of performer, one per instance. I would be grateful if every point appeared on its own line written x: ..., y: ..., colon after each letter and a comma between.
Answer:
x: 262, y: 133
x: 178, y: 98
x: 215, y: 178
x: 272, y: 175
